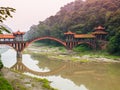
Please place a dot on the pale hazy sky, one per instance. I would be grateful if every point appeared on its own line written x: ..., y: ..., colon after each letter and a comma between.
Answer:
x: 29, y: 12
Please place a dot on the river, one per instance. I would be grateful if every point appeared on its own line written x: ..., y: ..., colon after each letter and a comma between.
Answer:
x: 67, y: 75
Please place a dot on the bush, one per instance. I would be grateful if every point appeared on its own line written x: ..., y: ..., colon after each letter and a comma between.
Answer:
x: 82, y: 48
x: 1, y: 65
x: 46, y: 84
x: 4, y: 85
x: 114, y: 44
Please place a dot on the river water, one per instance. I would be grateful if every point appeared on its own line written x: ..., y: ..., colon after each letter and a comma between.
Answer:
x: 66, y: 75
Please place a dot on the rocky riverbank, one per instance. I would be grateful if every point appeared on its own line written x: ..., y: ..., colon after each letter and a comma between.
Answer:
x: 23, y: 82
x: 63, y: 54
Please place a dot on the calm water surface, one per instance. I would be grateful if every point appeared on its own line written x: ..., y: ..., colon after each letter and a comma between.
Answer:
x: 69, y: 75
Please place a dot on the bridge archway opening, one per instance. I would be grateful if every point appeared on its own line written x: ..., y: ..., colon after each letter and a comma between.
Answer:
x: 82, y: 47
x: 8, y: 55
x: 45, y: 45
x: 5, y: 48
x: 49, y: 40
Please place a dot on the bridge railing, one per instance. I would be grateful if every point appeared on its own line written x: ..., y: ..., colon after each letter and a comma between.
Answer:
x: 10, y: 42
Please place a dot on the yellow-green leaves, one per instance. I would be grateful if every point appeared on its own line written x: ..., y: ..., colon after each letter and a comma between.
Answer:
x: 5, y: 12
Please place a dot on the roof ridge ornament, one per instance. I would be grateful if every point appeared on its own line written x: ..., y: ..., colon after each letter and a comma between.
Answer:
x: 99, y: 28
x: 18, y: 33
x: 69, y: 32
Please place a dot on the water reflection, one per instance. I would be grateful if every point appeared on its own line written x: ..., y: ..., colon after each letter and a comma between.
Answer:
x: 20, y: 66
x: 9, y: 58
x: 66, y: 75
x: 32, y: 63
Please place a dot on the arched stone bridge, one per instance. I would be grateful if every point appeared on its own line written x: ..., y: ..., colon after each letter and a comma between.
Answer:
x: 68, y: 45
x: 16, y: 40
x: 19, y: 46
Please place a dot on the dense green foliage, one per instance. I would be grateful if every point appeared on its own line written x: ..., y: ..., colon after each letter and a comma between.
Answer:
x: 1, y: 65
x: 114, y: 44
x: 81, y: 17
x: 82, y: 48
x: 4, y: 85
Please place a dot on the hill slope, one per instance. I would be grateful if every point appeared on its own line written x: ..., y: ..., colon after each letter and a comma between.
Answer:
x: 80, y: 17
x: 83, y: 17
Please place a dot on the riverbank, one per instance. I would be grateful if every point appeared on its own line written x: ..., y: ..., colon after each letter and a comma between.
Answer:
x: 4, y: 84
x: 63, y: 54
x: 22, y: 82
x: 74, y: 72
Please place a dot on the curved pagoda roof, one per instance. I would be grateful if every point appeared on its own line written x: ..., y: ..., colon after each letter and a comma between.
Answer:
x: 84, y: 36
x: 6, y: 36
x: 18, y: 33
x: 69, y: 33
x: 99, y: 30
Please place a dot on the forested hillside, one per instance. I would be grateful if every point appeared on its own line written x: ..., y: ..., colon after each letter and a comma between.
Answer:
x: 82, y: 17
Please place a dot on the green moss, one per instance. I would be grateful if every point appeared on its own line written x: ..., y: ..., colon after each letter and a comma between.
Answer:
x: 27, y: 82
x: 45, y: 84
x: 20, y: 87
x: 62, y: 49
x: 17, y: 85
x: 74, y: 59
x: 33, y: 85
x: 4, y: 84
x: 84, y: 61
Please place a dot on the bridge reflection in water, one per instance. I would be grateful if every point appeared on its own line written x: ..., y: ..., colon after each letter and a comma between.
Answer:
x: 65, y: 68
x: 80, y: 73
x: 19, y: 66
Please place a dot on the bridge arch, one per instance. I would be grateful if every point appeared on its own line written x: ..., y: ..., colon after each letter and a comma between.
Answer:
x: 45, y: 38
x: 10, y: 45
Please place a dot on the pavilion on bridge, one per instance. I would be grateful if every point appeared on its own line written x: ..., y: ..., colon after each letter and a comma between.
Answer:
x: 98, y: 34
x: 16, y: 36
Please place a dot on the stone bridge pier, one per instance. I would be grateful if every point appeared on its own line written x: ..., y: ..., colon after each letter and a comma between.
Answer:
x: 19, y: 54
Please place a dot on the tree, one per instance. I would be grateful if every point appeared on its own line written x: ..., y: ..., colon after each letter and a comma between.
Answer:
x: 2, y: 28
x: 5, y: 12
x: 114, y: 44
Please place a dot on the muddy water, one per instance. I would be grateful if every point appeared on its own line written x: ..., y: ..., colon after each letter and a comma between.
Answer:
x: 66, y: 75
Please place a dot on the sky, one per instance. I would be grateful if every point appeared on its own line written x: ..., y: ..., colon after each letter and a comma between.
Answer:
x: 30, y: 12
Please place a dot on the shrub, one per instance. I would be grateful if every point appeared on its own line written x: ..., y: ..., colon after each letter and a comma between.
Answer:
x: 1, y: 65
x: 82, y: 48
x: 4, y: 85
